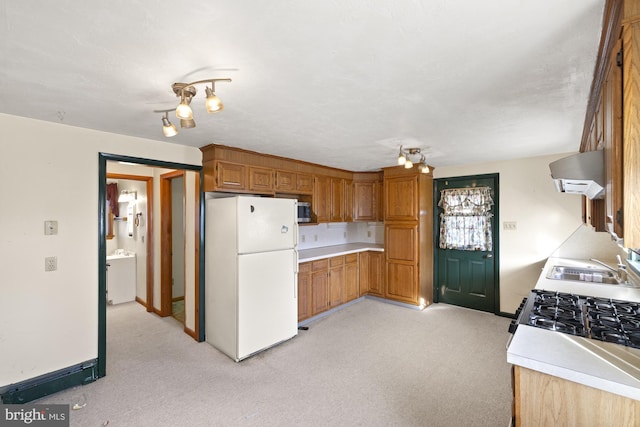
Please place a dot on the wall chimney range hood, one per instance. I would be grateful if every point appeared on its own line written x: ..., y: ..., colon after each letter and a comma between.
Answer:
x: 581, y: 173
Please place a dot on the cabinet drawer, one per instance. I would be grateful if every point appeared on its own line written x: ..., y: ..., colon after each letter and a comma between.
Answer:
x: 321, y: 264
x: 336, y: 261
x: 351, y: 258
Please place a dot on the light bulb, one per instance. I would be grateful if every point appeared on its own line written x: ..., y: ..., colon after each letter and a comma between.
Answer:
x: 168, y: 128
x: 183, y: 111
x: 213, y: 103
x: 408, y: 164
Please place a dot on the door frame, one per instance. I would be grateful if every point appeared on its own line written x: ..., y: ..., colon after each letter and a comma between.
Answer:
x: 495, y: 234
x: 148, y: 303
x: 101, y: 362
x: 166, y: 240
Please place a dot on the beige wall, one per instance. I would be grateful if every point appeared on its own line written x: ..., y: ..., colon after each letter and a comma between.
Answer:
x: 544, y: 217
x: 49, y: 171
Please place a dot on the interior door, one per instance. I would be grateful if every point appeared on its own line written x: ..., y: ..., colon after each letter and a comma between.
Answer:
x: 467, y: 278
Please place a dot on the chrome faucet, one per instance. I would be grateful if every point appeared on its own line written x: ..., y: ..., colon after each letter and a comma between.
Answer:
x: 621, y: 271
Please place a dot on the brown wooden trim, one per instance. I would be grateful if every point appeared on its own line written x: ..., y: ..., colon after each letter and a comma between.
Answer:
x: 174, y: 299
x: 166, y: 269
x: 141, y: 302
x: 611, y: 29
x: 191, y: 333
x: 196, y: 304
x: 149, y: 181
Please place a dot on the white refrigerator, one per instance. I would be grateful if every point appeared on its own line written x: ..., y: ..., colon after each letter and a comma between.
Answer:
x: 250, y: 273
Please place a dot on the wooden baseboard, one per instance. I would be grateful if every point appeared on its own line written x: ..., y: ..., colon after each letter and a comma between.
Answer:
x: 191, y: 333
x: 141, y: 302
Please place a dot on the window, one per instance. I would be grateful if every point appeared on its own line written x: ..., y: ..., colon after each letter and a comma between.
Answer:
x: 465, y: 223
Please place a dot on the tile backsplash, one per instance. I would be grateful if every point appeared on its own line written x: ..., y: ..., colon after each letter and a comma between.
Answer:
x: 338, y: 233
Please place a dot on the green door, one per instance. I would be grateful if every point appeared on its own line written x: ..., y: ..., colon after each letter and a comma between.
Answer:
x: 467, y: 278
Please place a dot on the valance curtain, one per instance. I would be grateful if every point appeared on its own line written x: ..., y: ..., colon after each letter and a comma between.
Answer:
x: 465, y: 223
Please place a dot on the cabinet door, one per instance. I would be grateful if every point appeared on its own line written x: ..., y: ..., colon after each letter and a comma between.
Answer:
x: 401, y: 198
x: 231, y: 176
x: 337, y: 200
x: 304, y: 183
x: 261, y: 180
x: 336, y: 280
x: 612, y: 136
x: 376, y: 273
x: 364, y: 201
x: 348, y: 200
x: 401, y: 252
x: 363, y: 279
x: 351, y: 278
x: 285, y: 181
x: 304, y: 291
x: 322, y: 198
x: 379, y: 201
x: 319, y: 286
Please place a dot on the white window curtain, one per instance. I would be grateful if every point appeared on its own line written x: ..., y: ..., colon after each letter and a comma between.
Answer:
x: 465, y: 223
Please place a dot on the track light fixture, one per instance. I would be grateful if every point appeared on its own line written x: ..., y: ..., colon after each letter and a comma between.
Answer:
x: 186, y: 92
x: 405, y: 159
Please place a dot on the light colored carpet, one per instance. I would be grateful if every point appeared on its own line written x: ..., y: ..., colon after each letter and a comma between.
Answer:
x: 370, y: 364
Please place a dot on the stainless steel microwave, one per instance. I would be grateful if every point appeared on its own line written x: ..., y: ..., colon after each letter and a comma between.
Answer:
x: 304, y: 212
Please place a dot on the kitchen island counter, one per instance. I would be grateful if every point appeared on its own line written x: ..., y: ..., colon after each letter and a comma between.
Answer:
x: 314, y: 254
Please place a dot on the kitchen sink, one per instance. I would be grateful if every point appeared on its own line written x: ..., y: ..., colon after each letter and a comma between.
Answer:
x: 583, y: 274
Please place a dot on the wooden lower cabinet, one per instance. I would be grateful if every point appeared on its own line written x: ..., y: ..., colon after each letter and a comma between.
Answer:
x: 546, y: 400
x: 304, y: 291
x: 319, y: 286
x: 376, y: 273
x: 327, y: 283
x: 336, y: 280
x: 351, y: 289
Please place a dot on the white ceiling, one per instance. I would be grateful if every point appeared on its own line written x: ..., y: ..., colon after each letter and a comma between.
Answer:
x: 340, y: 83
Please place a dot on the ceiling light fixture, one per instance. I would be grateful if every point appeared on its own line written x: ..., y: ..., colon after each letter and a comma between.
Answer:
x: 186, y: 91
x: 405, y: 159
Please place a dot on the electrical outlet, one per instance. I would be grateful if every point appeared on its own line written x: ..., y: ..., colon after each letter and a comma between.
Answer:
x: 315, y: 237
x: 50, y: 263
x: 50, y: 228
x: 302, y: 238
x: 369, y: 233
x: 509, y: 225
x: 344, y: 234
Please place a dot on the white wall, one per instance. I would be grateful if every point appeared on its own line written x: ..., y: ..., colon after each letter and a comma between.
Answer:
x: 49, y: 320
x: 544, y: 217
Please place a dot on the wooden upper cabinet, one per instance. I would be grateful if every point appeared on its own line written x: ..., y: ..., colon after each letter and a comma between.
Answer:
x: 304, y: 183
x: 380, y: 202
x: 261, y: 180
x: 293, y: 182
x: 322, y: 198
x: 230, y: 176
x: 364, y: 196
x: 612, y: 143
x: 401, y: 198
x: 348, y: 200
x: 337, y: 200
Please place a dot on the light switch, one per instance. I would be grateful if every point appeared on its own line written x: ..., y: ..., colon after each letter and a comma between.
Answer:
x: 50, y: 228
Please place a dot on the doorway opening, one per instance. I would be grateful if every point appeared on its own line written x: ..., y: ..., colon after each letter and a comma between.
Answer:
x: 193, y: 251
x: 466, y: 264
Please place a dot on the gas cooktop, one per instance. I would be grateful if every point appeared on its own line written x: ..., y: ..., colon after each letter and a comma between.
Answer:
x: 603, y: 319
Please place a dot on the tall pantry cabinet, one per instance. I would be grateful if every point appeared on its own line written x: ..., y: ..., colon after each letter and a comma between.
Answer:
x: 408, y: 237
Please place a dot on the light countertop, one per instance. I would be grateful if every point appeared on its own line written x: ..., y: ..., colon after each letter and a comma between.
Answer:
x: 605, y: 366
x: 313, y: 254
